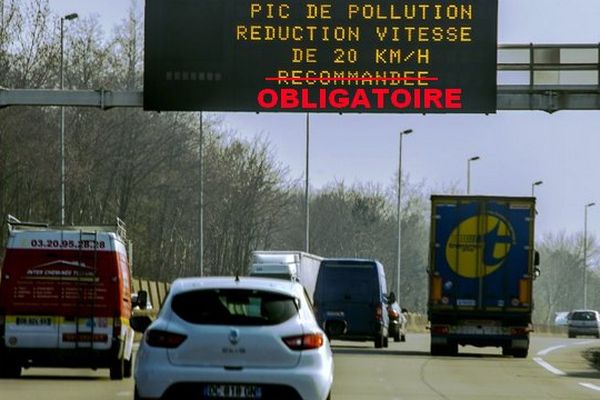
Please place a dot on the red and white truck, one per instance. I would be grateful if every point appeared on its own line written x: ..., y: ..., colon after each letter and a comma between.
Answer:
x: 65, y: 299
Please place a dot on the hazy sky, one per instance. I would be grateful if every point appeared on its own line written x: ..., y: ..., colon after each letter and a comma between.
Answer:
x: 516, y: 147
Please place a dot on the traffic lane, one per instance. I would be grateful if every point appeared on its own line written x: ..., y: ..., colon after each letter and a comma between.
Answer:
x: 403, y: 371
x: 408, y: 371
x: 570, y: 358
x: 65, y: 384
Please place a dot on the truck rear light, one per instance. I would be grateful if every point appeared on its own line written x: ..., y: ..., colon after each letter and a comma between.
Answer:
x: 436, y: 289
x: 440, y: 329
x: 524, y: 291
x: 378, y: 313
x: 304, y: 342
x: 165, y: 339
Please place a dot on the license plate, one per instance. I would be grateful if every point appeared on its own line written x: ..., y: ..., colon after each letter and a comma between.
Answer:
x: 233, y: 391
x: 335, y: 313
x: 34, y: 321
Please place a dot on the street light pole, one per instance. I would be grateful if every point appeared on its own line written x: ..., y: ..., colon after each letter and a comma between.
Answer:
x: 469, y: 172
x: 306, y: 189
x: 533, y: 185
x: 405, y: 132
x: 68, y: 17
x: 585, y: 254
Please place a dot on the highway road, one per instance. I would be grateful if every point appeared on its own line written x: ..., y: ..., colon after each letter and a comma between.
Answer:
x: 555, y: 369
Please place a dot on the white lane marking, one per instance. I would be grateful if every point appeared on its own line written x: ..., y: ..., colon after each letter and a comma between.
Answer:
x: 590, y: 386
x: 549, y: 367
x: 585, y: 342
x: 549, y: 349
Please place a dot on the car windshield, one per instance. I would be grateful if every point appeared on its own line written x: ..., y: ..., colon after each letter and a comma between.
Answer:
x: 583, y: 316
x: 234, y: 307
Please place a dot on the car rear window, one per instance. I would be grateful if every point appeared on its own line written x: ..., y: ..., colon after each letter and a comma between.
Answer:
x: 349, y: 282
x: 583, y: 316
x: 234, y: 307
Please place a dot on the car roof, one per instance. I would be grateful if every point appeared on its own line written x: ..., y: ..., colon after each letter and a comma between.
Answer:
x: 593, y: 311
x: 231, y: 282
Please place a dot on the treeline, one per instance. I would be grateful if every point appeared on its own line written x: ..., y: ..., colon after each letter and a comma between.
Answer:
x: 144, y: 168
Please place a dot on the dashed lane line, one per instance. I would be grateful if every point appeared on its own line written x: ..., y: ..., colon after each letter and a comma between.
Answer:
x: 548, y: 367
x: 590, y: 386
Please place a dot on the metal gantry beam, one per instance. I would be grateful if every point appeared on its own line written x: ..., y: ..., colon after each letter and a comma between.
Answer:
x: 103, y: 99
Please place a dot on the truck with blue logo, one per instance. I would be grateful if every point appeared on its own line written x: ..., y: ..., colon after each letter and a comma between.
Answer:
x: 482, y: 264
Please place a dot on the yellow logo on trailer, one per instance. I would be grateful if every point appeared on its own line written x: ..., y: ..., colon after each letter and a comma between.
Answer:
x: 479, y: 245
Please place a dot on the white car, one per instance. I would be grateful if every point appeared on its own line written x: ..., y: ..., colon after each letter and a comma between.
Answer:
x: 233, y: 338
x: 584, y: 322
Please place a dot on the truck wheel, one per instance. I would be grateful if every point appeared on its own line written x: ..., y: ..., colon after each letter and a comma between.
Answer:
x: 378, y: 341
x: 117, y: 369
x: 127, y: 368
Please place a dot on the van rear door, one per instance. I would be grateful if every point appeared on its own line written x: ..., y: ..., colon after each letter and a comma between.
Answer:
x: 349, y: 291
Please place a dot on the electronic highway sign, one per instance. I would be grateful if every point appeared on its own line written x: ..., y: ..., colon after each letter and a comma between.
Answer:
x: 405, y: 56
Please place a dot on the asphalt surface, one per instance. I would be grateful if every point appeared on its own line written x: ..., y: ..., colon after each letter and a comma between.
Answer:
x: 556, y: 368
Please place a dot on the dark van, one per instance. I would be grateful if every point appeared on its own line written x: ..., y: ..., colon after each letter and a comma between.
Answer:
x: 350, y: 300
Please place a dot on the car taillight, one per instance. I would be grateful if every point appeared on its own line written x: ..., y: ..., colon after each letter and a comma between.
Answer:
x: 304, y: 342
x: 440, y: 329
x: 168, y: 340
x: 519, y: 331
x: 378, y: 312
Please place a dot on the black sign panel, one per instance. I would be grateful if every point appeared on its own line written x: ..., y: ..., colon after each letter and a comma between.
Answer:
x: 418, y: 56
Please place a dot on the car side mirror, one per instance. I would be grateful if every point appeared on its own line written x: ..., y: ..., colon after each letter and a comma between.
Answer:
x: 140, y: 323
x: 142, y: 300
x: 391, y: 297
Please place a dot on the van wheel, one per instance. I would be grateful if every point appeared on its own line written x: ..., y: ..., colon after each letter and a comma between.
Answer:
x: 117, y: 369
x: 378, y: 341
x: 127, y: 367
x: 520, y: 353
x: 452, y: 349
x: 437, y: 350
x: 10, y: 370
